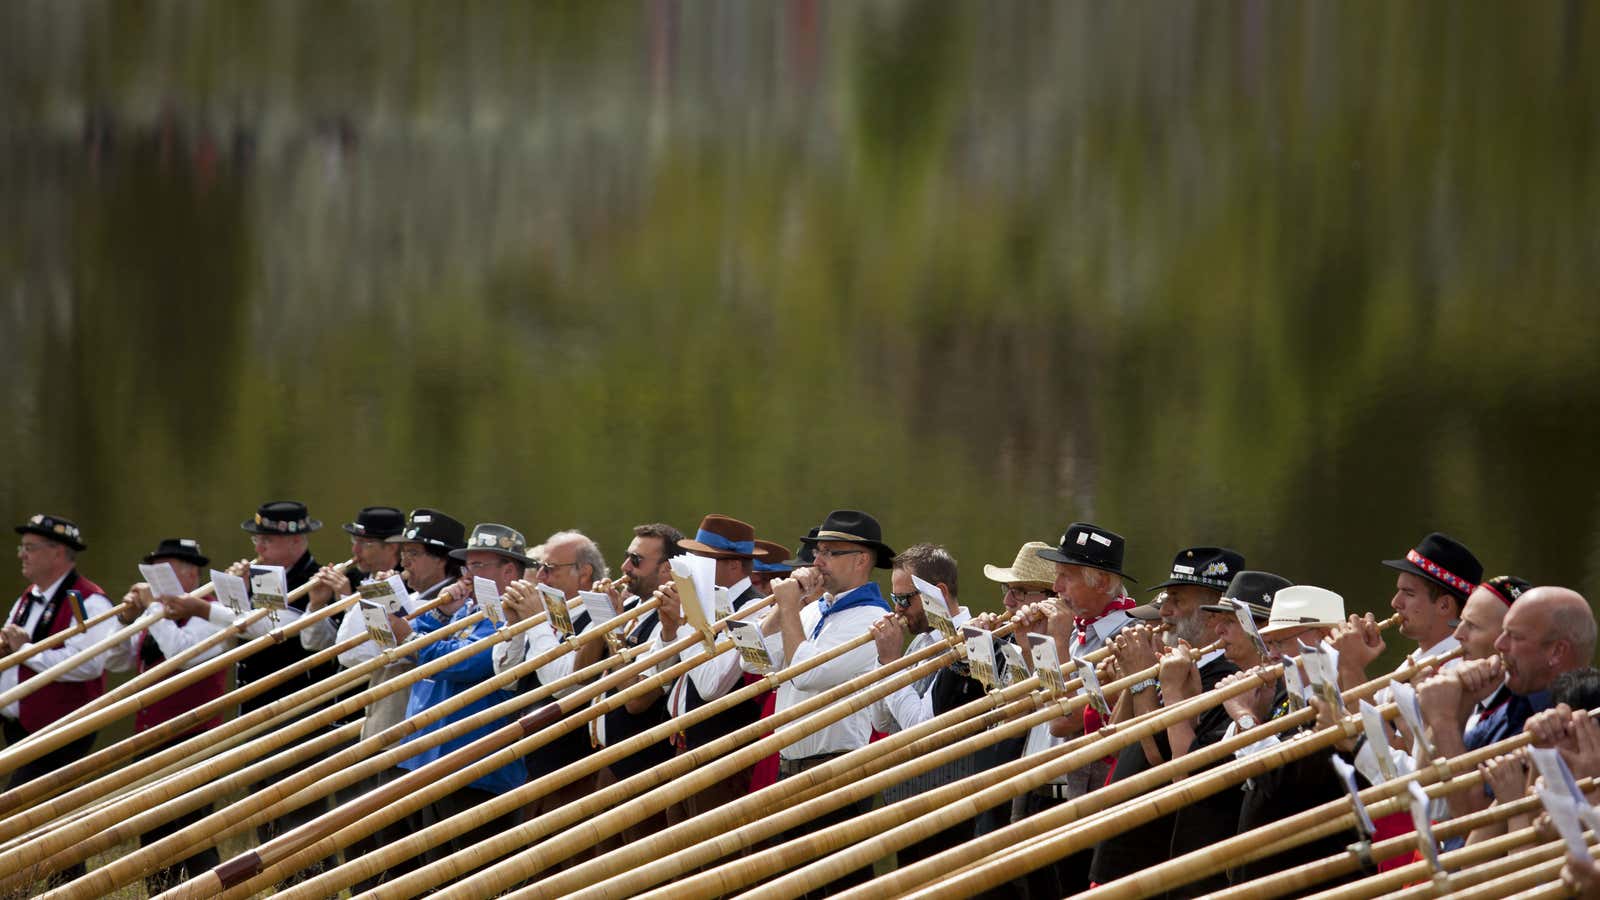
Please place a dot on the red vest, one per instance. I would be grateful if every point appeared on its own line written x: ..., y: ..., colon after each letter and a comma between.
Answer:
x: 58, y: 698
x: 182, y: 700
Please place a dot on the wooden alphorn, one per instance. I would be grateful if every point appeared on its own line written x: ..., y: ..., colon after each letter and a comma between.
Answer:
x: 327, y: 781
x: 91, y: 835
x: 224, y: 822
x: 1031, y: 828
x: 45, y: 741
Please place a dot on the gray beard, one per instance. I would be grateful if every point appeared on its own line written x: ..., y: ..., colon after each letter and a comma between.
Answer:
x: 1187, y: 630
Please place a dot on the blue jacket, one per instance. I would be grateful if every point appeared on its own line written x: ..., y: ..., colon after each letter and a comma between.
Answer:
x: 449, y: 682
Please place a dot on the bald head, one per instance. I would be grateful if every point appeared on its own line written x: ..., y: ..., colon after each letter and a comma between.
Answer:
x: 1547, y: 631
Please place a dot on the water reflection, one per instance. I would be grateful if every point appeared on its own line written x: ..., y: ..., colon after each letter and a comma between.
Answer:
x: 1308, y: 280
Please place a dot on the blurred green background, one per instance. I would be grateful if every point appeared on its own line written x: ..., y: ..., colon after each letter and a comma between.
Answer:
x: 1307, y: 280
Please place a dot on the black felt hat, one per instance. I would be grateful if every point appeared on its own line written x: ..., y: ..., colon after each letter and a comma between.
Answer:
x: 186, y: 549
x: 1444, y: 561
x: 1083, y: 544
x: 377, y: 522
x: 281, y: 517
x: 1253, y: 589
x: 1208, y: 567
x: 852, y: 526
x: 434, y: 528
x: 805, y: 557
x: 62, y: 531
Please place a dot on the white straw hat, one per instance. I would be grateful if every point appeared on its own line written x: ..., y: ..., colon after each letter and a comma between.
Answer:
x: 1300, y: 605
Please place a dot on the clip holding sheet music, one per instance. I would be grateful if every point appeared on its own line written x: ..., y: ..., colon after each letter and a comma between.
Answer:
x: 935, y: 608
x: 695, y: 579
x: 1047, y: 664
x: 980, y: 656
x: 555, y: 604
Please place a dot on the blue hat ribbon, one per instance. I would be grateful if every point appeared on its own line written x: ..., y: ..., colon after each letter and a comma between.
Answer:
x: 718, y: 542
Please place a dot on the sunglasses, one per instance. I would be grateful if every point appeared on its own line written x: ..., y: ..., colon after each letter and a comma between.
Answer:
x: 903, y: 600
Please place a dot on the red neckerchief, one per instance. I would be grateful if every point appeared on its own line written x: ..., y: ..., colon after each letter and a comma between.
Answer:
x: 1082, y: 624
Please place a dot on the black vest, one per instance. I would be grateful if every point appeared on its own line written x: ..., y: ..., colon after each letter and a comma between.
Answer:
x: 622, y: 725
x: 729, y: 720
x: 278, y: 656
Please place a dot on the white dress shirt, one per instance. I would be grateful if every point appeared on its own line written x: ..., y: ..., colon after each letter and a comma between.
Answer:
x: 713, y: 678
x: 912, y: 705
x: 854, y: 730
x: 88, y: 670
x: 172, y: 639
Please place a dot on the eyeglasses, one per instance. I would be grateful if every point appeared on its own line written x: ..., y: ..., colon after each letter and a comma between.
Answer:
x: 547, y: 568
x: 903, y: 600
x: 1026, y: 592
x: 635, y: 558
x: 830, y: 554
x: 412, y: 551
x: 482, y: 566
x: 364, y: 543
x: 31, y: 548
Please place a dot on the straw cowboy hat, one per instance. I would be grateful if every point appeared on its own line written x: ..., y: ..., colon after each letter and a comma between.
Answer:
x: 1029, y: 567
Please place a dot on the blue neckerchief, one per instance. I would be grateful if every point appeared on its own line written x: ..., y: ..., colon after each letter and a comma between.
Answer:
x: 865, y: 595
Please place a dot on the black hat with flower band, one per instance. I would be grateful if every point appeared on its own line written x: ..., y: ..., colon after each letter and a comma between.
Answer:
x: 281, y: 517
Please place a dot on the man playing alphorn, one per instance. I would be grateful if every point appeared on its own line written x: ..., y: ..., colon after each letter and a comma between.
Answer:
x: 571, y: 562
x: 166, y: 638
x: 645, y: 565
x: 1435, y: 578
x: 1199, y: 576
x: 1547, y: 631
x: 912, y: 705
x: 1300, y: 613
x: 1025, y: 583
x: 279, y: 534
x: 423, y: 548
x: 1217, y: 816
x: 497, y: 553
x: 57, y: 598
x: 1091, y: 608
x: 732, y: 544
x: 373, y: 554
x: 829, y: 603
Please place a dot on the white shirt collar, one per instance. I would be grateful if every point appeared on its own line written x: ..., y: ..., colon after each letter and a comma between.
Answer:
x: 738, y: 589
x: 1443, y: 647
x: 48, y: 592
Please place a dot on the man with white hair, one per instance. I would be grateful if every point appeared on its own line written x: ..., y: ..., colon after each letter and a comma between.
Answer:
x: 571, y: 562
x: 1091, y: 607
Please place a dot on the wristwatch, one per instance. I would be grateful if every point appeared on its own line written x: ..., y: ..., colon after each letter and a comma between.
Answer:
x: 1140, y: 686
x: 1246, y: 722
